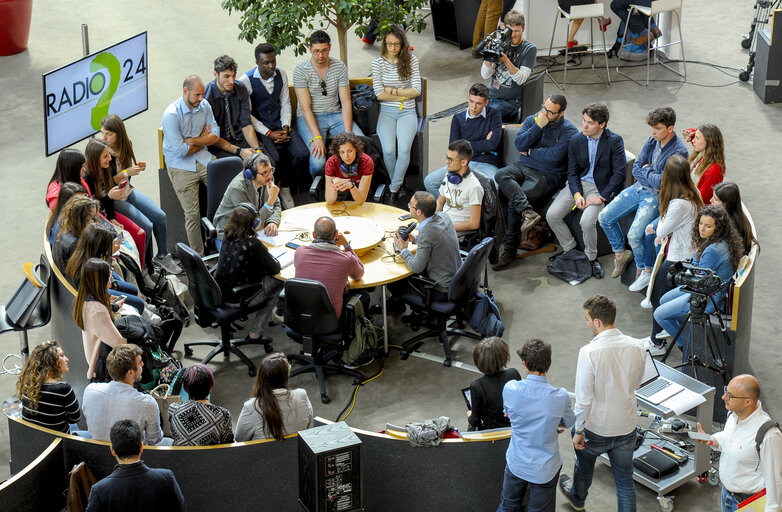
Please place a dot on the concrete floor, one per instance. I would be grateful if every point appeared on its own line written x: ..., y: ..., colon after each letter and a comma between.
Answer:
x: 533, y: 303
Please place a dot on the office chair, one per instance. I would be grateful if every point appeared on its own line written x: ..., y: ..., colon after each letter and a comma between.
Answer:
x: 436, y: 313
x: 219, y: 174
x: 380, y: 179
x: 310, y: 319
x: 209, y: 308
x: 29, y: 307
x: 531, y: 97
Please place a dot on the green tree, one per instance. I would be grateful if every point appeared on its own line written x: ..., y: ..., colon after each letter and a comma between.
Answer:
x: 281, y: 22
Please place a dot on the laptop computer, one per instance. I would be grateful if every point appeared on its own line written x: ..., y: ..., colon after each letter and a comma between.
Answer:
x: 654, y: 388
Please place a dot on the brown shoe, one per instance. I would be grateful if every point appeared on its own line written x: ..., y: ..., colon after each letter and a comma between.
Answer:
x: 621, y: 264
x: 529, y: 218
x: 506, y: 258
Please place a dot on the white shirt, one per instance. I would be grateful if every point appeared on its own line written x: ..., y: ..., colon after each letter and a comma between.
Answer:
x: 739, y: 458
x: 677, y: 223
x: 459, y: 198
x: 285, y: 98
x: 610, y: 369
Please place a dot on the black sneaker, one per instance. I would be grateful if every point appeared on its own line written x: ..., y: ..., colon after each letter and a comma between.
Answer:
x: 597, y: 270
x: 565, y: 484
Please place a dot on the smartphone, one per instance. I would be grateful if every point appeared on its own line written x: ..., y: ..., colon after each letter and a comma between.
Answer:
x: 404, y: 217
x: 467, y: 397
x: 292, y: 245
x: 123, y: 183
x: 115, y: 299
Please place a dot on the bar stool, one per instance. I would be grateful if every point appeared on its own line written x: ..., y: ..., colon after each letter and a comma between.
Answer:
x: 589, y: 11
x: 658, y: 6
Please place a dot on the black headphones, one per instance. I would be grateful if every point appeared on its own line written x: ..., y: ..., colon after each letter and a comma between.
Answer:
x: 251, y: 209
x: 250, y: 171
x: 349, y: 170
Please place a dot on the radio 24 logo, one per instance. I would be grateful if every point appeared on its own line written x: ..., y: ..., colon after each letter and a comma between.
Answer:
x: 97, y: 84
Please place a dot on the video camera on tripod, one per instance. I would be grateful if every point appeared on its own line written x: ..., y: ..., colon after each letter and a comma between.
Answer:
x: 696, y: 280
x: 494, y: 45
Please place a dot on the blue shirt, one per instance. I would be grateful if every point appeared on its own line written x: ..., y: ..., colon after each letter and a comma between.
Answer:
x: 592, y: 148
x: 179, y: 123
x: 651, y: 176
x: 535, y: 409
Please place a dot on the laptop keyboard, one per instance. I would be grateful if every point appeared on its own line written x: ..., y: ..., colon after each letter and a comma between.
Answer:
x: 654, y: 387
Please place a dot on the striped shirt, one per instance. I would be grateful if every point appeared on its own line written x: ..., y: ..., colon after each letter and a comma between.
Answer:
x: 385, y: 74
x: 305, y: 77
x: 57, y: 407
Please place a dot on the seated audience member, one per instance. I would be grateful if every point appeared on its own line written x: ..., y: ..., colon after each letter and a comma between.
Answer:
x: 76, y: 215
x: 105, y: 403
x: 481, y: 126
x: 198, y: 422
x: 255, y: 186
x: 68, y: 169
x: 717, y: 247
x: 491, y: 356
x: 542, y: 142
x: 133, y: 486
x: 324, y: 109
x: 93, y: 315
x: 461, y: 194
x: 641, y: 197
x: 537, y: 412
x: 231, y: 109
x: 596, y: 173
x: 270, y: 107
x: 707, y: 160
x: 565, y: 5
x: 397, y: 82
x: 637, y: 22
x: 275, y: 410
x: 47, y: 400
x: 68, y: 190
x: 189, y: 127
x: 245, y: 260
x: 329, y: 259
x: 437, y: 256
x: 679, y: 205
x: 726, y: 194
x: 349, y: 170
x: 136, y: 206
x: 514, y: 68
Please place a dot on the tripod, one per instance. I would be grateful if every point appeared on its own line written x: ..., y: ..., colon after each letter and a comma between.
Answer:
x: 698, y: 319
x: 763, y: 9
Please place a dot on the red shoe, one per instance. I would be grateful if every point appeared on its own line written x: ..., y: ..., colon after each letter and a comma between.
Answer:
x: 364, y: 39
x: 571, y: 44
x: 603, y: 23
x: 411, y: 48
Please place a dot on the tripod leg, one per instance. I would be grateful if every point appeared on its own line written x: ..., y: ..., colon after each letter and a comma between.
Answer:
x: 676, y: 337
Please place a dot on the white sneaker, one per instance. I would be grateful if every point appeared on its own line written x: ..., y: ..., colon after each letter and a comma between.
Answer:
x: 167, y: 262
x: 641, y: 282
x: 656, y: 350
x: 646, y: 303
x: 663, y: 334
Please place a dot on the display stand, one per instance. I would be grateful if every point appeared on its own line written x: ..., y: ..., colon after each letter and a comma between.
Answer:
x: 699, y: 462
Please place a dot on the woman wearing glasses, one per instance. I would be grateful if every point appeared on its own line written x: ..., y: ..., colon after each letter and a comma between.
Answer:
x: 397, y: 82
x: 349, y: 170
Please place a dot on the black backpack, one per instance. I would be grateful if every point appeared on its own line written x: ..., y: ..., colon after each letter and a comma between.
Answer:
x: 764, y: 428
x: 571, y: 266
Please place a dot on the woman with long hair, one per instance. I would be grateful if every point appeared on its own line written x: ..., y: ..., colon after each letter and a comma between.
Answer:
x: 67, y: 191
x: 274, y: 410
x: 68, y: 169
x: 47, y: 400
x: 717, y: 247
x: 707, y: 161
x: 349, y: 170
x: 397, y: 82
x: 245, y: 260
x: 727, y: 195
x: 136, y: 206
x: 93, y: 315
x: 78, y: 213
x: 198, y: 422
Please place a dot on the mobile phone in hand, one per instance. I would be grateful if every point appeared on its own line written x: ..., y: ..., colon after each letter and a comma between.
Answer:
x: 123, y: 183
x: 116, y: 299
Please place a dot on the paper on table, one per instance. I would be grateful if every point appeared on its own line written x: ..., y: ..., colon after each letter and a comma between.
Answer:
x: 683, y: 401
x: 304, y: 219
x: 284, y: 255
x: 280, y: 239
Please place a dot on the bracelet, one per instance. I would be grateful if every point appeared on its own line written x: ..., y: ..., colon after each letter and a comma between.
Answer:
x: 266, y: 205
x: 579, y: 433
x: 711, y: 443
x: 347, y: 245
x: 314, y: 139
x: 267, y: 133
x: 238, y: 151
x: 576, y: 195
x: 125, y: 172
x: 352, y: 185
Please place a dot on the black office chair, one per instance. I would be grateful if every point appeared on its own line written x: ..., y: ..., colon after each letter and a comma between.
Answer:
x: 436, y: 313
x: 310, y: 319
x: 219, y: 174
x: 492, y: 220
x: 380, y: 180
x: 209, y: 308
x: 29, y: 307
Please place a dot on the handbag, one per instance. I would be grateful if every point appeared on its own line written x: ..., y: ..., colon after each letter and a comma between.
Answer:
x: 164, y: 400
x: 655, y: 464
x: 366, y: 108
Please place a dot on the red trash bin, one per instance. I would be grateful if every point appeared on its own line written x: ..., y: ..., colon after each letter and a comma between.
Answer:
x: 14, y: 25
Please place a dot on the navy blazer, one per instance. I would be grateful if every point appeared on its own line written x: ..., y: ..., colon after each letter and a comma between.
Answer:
x: 610, y: 164
x: 136, y: 487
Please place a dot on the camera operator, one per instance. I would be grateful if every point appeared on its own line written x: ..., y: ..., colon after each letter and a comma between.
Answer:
x: 717, y: 247
x: 516, y: 61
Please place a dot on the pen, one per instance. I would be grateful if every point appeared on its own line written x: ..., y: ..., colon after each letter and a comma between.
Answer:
x: 280, y: 255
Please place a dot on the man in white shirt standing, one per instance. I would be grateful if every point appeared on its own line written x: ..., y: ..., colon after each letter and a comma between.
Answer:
x: 741, y: 473
x: 609, y: 370
x: 461, y: 194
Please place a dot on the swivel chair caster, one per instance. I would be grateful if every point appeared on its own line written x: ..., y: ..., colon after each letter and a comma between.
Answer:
x: 324, y: 399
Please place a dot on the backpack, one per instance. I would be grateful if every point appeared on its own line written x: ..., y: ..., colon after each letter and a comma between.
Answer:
x: 764, y: 428
x: 486, y: 318
x: 365, y: 333
x: 366, y: 108
x: 571, y: 266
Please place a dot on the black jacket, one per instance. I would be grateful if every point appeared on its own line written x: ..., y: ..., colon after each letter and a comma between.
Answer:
x: 136, y: 487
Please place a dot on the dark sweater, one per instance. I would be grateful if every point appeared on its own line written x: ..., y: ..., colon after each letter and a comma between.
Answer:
x: 486, y: 397
x: 475, y: 131
x: 547, y: 147
x: 57, y: 407
x: 244, y: 261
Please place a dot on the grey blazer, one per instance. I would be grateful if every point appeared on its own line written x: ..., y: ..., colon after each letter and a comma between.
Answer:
x: 242, y: 190
x: 437, y: 256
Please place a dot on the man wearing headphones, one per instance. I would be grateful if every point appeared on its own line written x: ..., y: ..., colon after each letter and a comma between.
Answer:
x: 254, y: 185
x: 461, y: 194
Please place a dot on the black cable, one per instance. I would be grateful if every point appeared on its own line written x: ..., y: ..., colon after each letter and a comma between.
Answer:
x: 354, y: 395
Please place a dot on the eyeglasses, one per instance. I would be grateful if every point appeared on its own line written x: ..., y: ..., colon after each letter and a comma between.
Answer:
x: 731, y: 396
x: 413, y: 206
x: 267, y: 173
x: 394, y: 45
x: 321, y: 52
x: 323, y: 88
x: 549, y: 111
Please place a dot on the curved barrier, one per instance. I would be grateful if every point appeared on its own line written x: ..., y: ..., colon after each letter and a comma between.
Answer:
x: 31, y: 489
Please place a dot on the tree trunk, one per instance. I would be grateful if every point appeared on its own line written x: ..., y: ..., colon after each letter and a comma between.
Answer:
x: 342, y: 36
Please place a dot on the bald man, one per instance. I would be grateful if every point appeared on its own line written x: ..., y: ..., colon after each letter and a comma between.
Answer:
x: 189, y: 127
x: 741, y: 473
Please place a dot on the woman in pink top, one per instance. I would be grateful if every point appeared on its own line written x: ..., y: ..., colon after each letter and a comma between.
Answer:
x: 92, y: 313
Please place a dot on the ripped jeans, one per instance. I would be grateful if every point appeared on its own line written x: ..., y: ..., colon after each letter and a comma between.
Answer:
x: 635, y: 198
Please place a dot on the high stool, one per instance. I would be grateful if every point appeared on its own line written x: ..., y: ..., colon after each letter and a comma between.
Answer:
x: 590, y: 11
x: 657, y: 7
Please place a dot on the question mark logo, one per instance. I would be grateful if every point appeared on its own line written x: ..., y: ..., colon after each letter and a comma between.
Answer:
x: 101, y: 109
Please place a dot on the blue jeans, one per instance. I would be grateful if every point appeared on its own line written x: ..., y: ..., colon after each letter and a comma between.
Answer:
x: 542, y: 497
x: 329, y: 125
x: 642, y: 201
x: 620, y: 453
x: 730, y: 501
x: 128, y: 290
x: 149, y: 217
x: 650, y: 248
x: 509, y: 110
x: 396, y: 131
x: 434, y: 179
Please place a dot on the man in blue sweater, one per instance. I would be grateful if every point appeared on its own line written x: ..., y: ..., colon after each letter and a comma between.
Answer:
x: 542, y: 142
x: 641, y: 197
x: 481, y: 126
